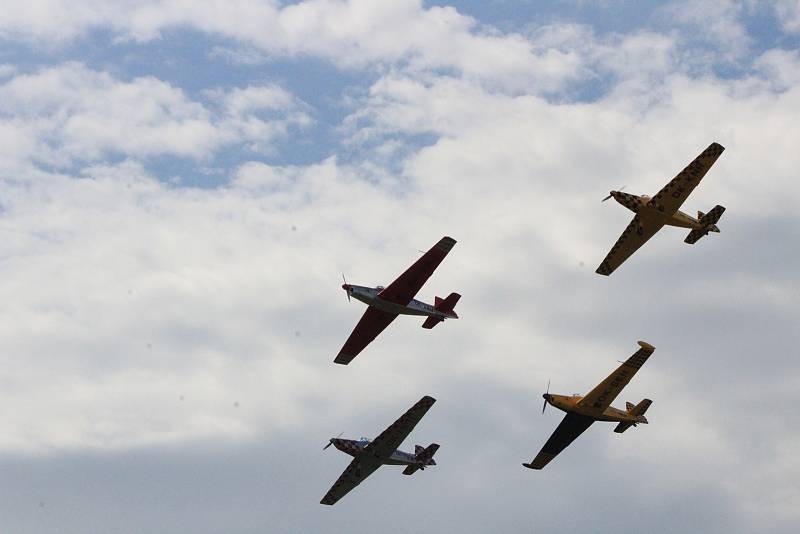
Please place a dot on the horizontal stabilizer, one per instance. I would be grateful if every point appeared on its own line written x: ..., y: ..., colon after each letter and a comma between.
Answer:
x: 448, y: 304
x: 432, y: 321
x: 445, y: 306
x: 713, y: 216
x: 642, y: 407
x: 709, y: 224
x: 423, y: 456
x: 636, y: 410
x: 410, y: 469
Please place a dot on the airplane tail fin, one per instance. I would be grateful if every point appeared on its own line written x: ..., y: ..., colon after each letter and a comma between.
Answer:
x: 635, y: 410
x: 423, y: 456
x: 708, y: 222
x: 446, y: 305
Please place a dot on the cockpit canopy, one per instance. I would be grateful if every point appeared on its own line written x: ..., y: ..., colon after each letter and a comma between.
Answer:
x: 362, y: 439
x: 380, y: 287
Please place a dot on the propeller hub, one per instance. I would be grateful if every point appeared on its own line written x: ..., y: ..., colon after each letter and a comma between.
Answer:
x: 346, y: 287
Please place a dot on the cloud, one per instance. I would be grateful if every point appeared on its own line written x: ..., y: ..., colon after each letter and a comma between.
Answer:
x: 156, y: 335
x: 351, y: 34
x: 716, y: 27
x: 788, y: 13
x: 69, y: 113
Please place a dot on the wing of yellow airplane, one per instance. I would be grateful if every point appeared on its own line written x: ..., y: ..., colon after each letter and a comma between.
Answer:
x: 636, y: 234
x: 675, y: 193
x: 604, y: 394
x: 572, y: 426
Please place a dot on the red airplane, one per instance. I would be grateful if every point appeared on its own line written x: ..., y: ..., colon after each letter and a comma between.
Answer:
x: 386, y: 303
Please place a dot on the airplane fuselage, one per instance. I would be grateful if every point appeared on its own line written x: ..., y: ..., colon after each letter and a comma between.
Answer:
x: 371, y: 297
x: 356, y: 450
x: 641, y: 205
x: 571, y: 403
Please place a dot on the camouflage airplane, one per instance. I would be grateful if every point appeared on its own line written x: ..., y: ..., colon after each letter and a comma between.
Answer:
x: 595, y: 406
x: 368, y: 455
x: 386, y: 303
x: 653, y: 213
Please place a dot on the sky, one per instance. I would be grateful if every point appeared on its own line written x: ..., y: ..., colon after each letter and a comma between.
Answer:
x: 183, y: 184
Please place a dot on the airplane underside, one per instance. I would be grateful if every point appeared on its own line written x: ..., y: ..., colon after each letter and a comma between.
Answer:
x: 356, y: 450
x: 415, y: 307
x: 678, y: 219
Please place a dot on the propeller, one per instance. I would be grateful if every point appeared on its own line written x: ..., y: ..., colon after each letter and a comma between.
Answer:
x: 547, y: 392
x: 330, y: 441
x: 611, y: 194
x: 345, y: 287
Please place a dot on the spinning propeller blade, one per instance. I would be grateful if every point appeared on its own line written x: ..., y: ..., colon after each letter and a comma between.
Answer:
x: 330, y: 441
x: 612, y: 193
x: 546, y: 393
x: 346, y: 290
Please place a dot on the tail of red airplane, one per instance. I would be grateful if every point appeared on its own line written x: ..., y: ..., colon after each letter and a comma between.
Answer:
x: 424, y: 456
x: 446, y: 305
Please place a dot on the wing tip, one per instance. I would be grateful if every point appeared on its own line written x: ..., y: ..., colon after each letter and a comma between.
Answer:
x: 446, y: 244
x: 427, y: 399
x: 605, y: 271
x: 533, y: 466
x: 343, y: 359
x: 646, y: 346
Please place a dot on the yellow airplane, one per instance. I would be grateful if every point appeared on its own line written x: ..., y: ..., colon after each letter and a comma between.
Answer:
x: 595, y: 406
x: 653, y: 213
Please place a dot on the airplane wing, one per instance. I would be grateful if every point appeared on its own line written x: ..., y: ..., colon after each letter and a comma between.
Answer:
x: 372, y: 323
x: 572, y: 426
x: 636, y: 234
x: 353, y: 475
x: 604, y: 393
x: 408, y: 284
x: 391, y: 438
x: 675, y: 193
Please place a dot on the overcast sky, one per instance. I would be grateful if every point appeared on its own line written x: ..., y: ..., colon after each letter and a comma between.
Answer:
x: 182, y: 185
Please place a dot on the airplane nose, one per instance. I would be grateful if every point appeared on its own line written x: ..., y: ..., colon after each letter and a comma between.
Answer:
x: 545, y: 396
x: 345, y: 287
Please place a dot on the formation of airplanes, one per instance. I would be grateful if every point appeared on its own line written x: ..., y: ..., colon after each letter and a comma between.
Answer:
x: 384, y: 304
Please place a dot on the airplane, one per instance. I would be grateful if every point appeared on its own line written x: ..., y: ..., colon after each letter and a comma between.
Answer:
x: 595, y: 406
x: 386, y: 303
x: 653, y: 213
x: 368, y: 455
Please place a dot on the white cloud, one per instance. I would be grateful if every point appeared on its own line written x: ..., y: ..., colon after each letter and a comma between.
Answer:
x: 788, y: 12
x: 68, y: 113
x: 352, y: 33
x: 716, y: 24
x: 138, y: 314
